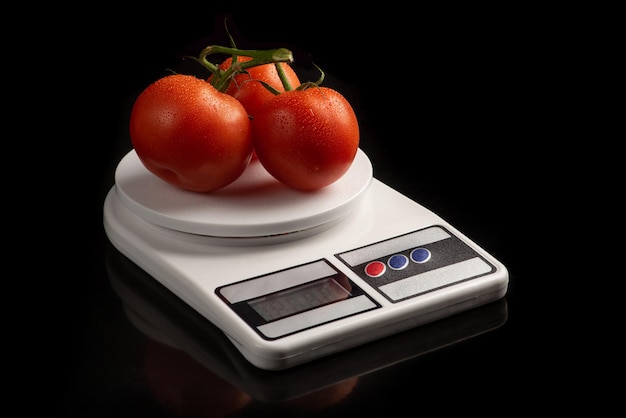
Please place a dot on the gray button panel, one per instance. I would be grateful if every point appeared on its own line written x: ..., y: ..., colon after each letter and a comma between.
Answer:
x: 437, y: 258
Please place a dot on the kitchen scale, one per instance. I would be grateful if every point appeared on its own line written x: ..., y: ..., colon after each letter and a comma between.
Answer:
x: 293, y: 276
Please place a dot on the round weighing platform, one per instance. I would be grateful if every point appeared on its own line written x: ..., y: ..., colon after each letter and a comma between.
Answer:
x: 254, y: 205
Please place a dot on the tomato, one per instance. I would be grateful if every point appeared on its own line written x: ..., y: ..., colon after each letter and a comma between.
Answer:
x: 246, y: 87
x: 308, y: 138
x: 189, y: 134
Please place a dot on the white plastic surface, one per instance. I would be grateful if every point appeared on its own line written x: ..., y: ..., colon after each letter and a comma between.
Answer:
x: 255, y: 205
x: 192, y: 266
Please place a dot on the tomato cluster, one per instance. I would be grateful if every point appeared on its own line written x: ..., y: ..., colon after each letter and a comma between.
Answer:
x: 201, y: 135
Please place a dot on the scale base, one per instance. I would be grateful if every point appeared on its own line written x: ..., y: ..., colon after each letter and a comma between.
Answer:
x: 385, y: 265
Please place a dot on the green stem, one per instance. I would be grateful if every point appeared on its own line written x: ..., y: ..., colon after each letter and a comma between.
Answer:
x: 221, y: 78
x: 283, y: 77
x: 310, y: 84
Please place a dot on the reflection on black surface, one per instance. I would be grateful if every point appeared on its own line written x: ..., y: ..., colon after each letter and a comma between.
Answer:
x: 188, y: 360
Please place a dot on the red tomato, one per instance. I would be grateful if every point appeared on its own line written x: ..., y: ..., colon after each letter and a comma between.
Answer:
x: 189, y: 134
x: 307, y: 139
x: 246, y: 88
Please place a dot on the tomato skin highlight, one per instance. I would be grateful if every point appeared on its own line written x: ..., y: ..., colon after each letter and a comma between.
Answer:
x: 189, y: 134
x: 306, y: 139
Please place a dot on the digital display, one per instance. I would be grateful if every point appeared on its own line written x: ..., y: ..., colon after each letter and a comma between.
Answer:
x: 298, y: 299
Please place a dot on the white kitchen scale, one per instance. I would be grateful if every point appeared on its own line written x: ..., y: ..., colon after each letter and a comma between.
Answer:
x: 292, y: 276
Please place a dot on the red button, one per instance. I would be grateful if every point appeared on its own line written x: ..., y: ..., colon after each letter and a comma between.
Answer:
x: 375, y: 269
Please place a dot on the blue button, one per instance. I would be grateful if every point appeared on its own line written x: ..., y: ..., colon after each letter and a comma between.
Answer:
x: 398, y: 261
x: 420, y: 255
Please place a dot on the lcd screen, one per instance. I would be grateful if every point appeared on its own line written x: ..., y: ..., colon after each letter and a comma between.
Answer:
x: 299, y: 299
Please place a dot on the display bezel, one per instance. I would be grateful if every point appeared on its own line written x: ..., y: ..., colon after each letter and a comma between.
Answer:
x: 343, y: 290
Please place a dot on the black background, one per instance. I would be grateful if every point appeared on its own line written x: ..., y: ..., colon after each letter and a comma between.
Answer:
x: 452, y: 104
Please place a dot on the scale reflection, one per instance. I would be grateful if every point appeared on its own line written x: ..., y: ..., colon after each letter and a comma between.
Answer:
x: 190, y: 364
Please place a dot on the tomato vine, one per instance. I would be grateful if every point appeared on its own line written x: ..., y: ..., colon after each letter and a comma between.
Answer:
x: 221, y: 78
